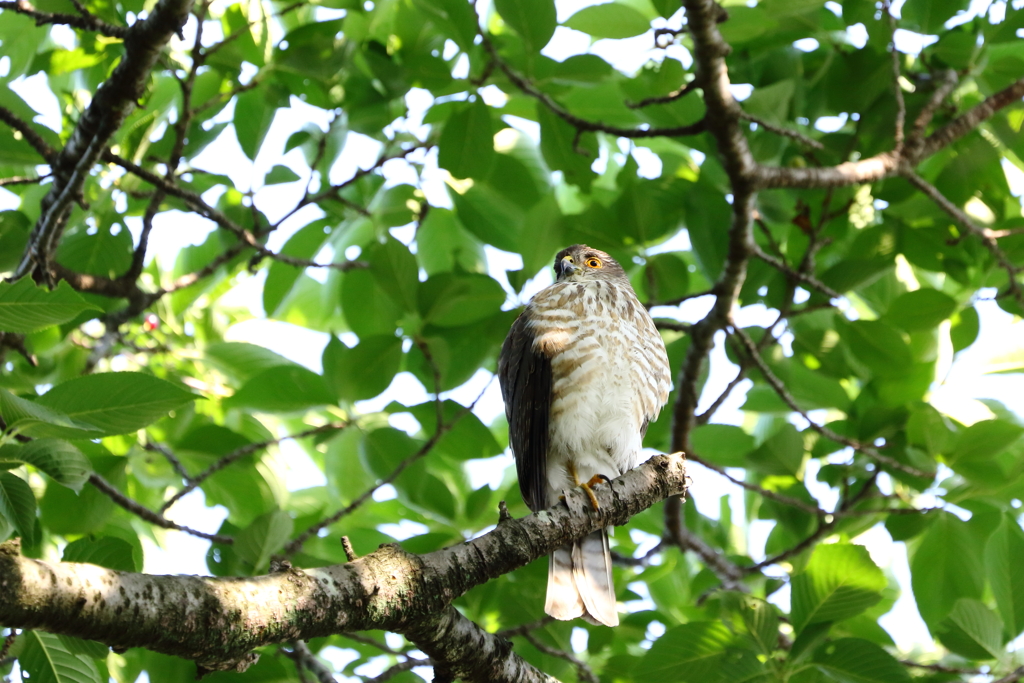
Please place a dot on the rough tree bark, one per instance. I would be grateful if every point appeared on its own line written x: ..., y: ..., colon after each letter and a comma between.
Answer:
x: 218, y: 621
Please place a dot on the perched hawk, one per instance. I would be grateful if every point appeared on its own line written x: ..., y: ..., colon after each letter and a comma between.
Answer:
x: 583, y: 372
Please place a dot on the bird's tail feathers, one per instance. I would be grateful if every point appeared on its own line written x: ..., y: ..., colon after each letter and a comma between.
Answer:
x: 563, y: 600
x: 580, y: 581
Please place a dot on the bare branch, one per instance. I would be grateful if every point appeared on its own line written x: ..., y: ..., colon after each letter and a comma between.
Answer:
x: 809, y: 280
x: 218, y: 621
x: 583, y: 125
x: 784, y: 132
x: 583, y: 670
x: 783, y: 392
x: 901, y: 105
x: 945, y: 86
x: 665, y: 99
x: 443, y: 428
x: 959, y: 127
x: 239, y: 453
x: 110, y: 105
x: 145, y: 513
x: 305, y: 659
x: 86, y: 22
x: 965, y: 222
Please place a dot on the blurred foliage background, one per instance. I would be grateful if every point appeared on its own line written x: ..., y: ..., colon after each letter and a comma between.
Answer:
x: 428, y: 158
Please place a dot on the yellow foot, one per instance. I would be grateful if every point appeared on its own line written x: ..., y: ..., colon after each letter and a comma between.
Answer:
x: 588, y: 487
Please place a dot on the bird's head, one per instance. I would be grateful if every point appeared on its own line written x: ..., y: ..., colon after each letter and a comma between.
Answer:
x: 580, y: 263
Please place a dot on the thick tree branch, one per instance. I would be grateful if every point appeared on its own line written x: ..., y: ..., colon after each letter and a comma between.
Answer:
x: 964, y: 124
x: 722, y: 118
x: 110, y: 105
x: 86, y: 21
x: 218, y: 621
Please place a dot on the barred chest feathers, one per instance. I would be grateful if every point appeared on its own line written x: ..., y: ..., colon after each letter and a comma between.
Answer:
x: 609, y: 376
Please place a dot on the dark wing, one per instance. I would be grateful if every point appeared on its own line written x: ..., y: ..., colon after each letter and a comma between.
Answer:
x: 525, y: 378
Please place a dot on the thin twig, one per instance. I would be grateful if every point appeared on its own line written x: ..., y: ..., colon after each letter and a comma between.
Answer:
x: 86, y: 22
x: 795, y: 274
x: 901, y: 105
x: 583, y: 125
x: 245, y: 450
x: 583, y: 670
x: 145, y: 513
x: 784, y: 132
x: 665, y: 99
x: 296, y: 544
x: 305, y: 659
x: 965, y: 221
x: 783, y: 392
x: 945, y: 86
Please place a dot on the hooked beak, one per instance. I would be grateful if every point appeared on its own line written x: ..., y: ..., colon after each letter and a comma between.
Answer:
x: 566, y: 267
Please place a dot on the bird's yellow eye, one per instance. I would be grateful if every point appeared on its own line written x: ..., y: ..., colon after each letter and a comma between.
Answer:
x: 594, y: 262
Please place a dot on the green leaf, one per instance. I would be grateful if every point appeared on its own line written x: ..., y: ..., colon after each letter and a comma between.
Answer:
x: 852, y: 660
x: 665, y: 277
x: 363, y: 371
x: 241, y: 361
x: 533, y: 20
x: 725, y: 445
x: 395, y: 271
x: 57, y: 458
x: 920, y: 310
x: 24, y: 307
x: 253, y: 116
x: 280, y: 174
x: 878, y: 345
x: 454, y: 17
x: 972, y: 630
x: 466, y: 147
x: 984, y: 440
x: 762, y: 622
x: 384, y: 449
x: 107, y: 551
x: 114, y: 402
x: 265, y: 536
x: 449, y: 300
x: 610, y: 20
x: 14, y: 230
x: 771, y: 102
x: 564, y: 151
x: 17, y: 504
x: 391, y: 206
x: 47, y: 659
x: 281, y: 276
x: 282, y: 389
x: 965, y: 328
x: 684, y: 654
x: 469, y: 438
x: 926, y: 427
x: 441, y: 243
x: 1004, y: 556
x: 840, y: 582
x: 930, y: 15
x: 946, y: 567
x: 368, y: 309
x: 783, y: 453
x: 20, y: 414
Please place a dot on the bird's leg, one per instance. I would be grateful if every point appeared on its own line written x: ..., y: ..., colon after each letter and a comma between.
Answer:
x: 587, y: 486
